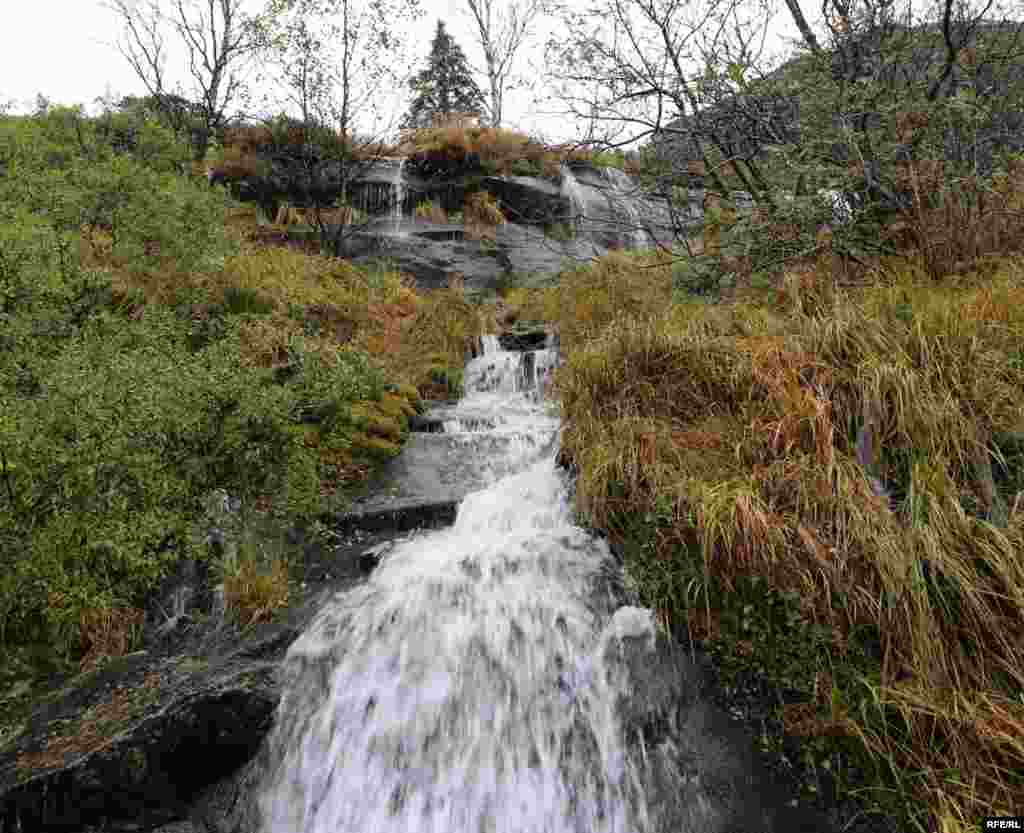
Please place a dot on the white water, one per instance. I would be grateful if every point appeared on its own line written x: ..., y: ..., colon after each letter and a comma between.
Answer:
x: 462, y: 687
x: 613, y: 201
x: 621, y: 202
x: 397, y: 196
x: 571, y: 190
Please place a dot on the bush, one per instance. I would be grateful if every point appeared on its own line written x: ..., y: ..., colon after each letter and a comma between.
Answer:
x: 525, y: 167
x: 240, y: 300
x: 106, y: 468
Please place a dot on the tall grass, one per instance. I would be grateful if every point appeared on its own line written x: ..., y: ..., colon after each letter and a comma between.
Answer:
x: 859, y: 451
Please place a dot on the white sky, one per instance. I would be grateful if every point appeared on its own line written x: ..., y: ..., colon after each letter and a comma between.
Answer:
x: 65, y: 50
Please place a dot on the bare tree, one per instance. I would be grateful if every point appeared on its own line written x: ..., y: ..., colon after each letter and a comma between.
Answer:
x: 218, y: 38
x: 849, y: 116
x: 633, y: 71
x: 502, y: 27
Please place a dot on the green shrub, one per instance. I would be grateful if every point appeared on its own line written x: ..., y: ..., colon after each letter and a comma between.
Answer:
x: 240, y: 300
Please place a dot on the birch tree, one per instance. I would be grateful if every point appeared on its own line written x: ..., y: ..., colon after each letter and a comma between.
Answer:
x: 502, y: 27
x: 218, y: 39
x: 332, y: 58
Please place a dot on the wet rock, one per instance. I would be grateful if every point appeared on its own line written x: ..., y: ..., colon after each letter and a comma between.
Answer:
x: 134, y: 743
x: 523, y: 339
x: 701, y: 773
x: 425, y: 424
x: 137, y: 744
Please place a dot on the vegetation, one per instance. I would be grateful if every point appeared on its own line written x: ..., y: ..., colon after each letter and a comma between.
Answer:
x: 806, y: 437
x: 445, y: 88
x: 820, y: 480
x: 154, y: 354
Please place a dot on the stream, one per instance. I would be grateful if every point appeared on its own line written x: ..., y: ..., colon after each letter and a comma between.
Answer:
x: 462, y: 688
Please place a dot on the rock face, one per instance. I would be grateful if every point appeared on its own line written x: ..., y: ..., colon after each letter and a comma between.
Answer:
x: 433, y: 253
x: 587, y: 212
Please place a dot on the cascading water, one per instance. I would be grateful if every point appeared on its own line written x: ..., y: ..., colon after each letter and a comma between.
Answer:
x: 397, y: 196
x: 462, y: 688
x: 571, y: 190
x: 610, y: 206
x: 623, y: 190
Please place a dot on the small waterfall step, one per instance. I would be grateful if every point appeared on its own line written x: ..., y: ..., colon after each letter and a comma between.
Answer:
x: 457, y: 448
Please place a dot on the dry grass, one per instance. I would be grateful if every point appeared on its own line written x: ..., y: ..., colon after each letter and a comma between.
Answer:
x: 953, y: 222
x: 481, y: 216
x: 498, y: 148
x: 108, y: 632
x: 765, y: 435
x: 481, y: 207
x: 433, y: 339
x: 431, y: 212
x: 289, y: 215
x: 255, y: 591
x: 622, y: 285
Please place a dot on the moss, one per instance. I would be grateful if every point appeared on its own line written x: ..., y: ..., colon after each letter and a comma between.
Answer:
x: 411, y: 395
x: 375, y: 449
x: 396, y: 407
x: 449, y: 378
x: 135, y: 766
x: 372, y: 418
x: 192, y: 665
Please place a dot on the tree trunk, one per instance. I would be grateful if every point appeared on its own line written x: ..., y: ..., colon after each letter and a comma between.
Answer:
x: 801, y: 23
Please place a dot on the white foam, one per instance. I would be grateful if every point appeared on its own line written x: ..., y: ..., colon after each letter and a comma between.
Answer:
x: 457, y: 689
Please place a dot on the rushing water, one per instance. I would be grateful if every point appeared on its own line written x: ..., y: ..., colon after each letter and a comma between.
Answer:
x: 461, y: 688
x: 397, y: 196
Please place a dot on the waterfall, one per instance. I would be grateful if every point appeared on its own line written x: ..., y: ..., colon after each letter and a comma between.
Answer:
x: 464, y: 687
x: 397, y: 195
x: 571, y: 190
x: 622, y: 199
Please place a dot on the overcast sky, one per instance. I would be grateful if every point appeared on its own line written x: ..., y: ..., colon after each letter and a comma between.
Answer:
x: 65, y: 50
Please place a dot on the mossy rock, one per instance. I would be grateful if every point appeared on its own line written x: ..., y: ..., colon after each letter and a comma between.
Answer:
x: 411, y: 395
x: 448, y: 377
x: 374, y: 448
x: 373, y: 419
x: 397, y: 407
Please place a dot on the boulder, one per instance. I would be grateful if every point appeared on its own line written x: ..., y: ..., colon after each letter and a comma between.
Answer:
x: 156, y: 739
x: 433, y: 253
x: 529, y: 200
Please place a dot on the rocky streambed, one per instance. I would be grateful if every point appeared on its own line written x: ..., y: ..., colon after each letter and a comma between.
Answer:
x: 175, y: 737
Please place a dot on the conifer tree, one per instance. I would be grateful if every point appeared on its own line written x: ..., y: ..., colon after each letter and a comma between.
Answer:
x: 445, y: 87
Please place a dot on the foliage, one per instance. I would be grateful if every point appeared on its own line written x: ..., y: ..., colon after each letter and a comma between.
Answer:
x: 445, y: 87
x: 148, y: 356
x: 427, y: 349
x: 857, y: 452
x: 482, y: 208
x: 505, y: 151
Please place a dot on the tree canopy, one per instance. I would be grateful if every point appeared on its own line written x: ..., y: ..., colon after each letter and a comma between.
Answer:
x: 446, y: 87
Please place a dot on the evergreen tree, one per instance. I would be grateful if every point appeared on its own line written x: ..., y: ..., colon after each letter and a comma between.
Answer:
x: 445, y: 87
